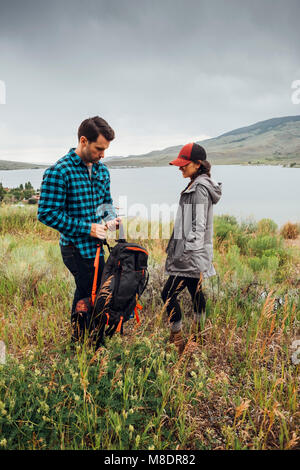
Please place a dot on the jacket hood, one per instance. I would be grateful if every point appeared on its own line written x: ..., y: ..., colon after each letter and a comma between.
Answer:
x: 214, y: 188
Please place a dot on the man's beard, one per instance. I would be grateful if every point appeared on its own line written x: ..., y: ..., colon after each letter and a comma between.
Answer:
x: 88, y: 157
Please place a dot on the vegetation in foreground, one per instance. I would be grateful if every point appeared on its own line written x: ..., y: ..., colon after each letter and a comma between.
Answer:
x: 235, y: 389
x: 21, y: 193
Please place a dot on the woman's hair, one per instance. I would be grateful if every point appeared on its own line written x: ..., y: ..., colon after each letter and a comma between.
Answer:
x: 204, y: 169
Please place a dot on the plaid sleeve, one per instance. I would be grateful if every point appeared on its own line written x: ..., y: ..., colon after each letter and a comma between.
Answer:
x: 51, y: 209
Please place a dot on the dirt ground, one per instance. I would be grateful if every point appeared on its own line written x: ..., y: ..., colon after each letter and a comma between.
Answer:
x: 293, y: 243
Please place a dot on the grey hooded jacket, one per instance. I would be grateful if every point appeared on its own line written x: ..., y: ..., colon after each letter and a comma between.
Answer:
x: 190, y: 249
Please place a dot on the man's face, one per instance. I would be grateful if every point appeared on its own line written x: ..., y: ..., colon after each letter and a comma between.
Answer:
x: 92, y: 152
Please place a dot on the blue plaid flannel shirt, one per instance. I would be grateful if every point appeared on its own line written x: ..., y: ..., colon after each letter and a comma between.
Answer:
x: 70, y: 201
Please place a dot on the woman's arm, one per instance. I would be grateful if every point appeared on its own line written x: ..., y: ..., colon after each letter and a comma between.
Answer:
x: 195, y: 218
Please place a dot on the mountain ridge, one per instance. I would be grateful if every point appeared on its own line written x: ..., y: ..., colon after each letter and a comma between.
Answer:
x: 274, y: 141
x: 14, y: 165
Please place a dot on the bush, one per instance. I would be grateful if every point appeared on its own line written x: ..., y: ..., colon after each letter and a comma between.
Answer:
x: 241, y: 239
x: 227, y: 228
x: 259, y: 245
x: 267, y: 227
x: 32, y: 200
x: 224, y: 227
x: 240, y: 273
x: 2, y: 192
x: 228, y: 219
x: 289, y: 231
x: 249, y: 226
x: 265, y: 262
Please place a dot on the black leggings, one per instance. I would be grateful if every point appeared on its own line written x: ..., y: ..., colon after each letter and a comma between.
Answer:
x: 173, y: 286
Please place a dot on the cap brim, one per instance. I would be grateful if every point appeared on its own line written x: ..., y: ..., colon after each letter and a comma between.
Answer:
x: 180, y: 162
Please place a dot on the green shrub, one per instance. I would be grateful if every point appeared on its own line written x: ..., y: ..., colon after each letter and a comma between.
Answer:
x: 258, y: 245
x: 265, y: 262
x: 248, y: 226
x: 241, y: 239
x: 228, y: 219
x: 267, y: 227
x: 224, y: 227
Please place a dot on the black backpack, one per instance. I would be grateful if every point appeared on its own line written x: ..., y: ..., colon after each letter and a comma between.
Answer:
x: 124, y: 279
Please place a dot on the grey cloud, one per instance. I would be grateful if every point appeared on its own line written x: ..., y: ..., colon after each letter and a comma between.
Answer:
x: 168, y: 66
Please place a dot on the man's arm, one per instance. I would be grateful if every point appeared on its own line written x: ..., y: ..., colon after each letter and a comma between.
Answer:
x: 52, y: 210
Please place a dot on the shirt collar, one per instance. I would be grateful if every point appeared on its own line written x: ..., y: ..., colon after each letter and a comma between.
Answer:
x: 77, y: 160
x: 74, y: 157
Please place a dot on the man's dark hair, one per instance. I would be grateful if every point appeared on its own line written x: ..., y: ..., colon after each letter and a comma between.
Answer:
x: 92, y: 127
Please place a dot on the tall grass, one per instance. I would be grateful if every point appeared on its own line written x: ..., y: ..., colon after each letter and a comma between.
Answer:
x: 236, y: 388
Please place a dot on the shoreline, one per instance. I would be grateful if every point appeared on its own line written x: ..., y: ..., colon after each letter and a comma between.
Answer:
x: 121, y: 167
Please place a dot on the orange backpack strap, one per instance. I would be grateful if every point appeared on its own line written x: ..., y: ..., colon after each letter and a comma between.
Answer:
x: 96, y: 266
x: 119, y: 325
x: 136, y: 308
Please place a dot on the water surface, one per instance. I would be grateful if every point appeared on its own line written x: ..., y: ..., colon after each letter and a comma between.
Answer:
x: 248, y: 191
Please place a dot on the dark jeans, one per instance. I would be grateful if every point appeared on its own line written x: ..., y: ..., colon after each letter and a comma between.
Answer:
x: 83, y: 271
x: 173, y: 286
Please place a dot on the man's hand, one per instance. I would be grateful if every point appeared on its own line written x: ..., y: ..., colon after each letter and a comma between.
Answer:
x: 98, y: 231
x: 112, y: 224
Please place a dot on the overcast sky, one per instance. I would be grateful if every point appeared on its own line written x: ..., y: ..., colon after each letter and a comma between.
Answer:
x: 161, y: 72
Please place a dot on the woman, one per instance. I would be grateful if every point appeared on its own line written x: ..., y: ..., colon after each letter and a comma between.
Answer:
x: 190, y: 249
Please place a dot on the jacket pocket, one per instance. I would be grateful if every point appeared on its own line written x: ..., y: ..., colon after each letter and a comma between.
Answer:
x: 196, y: 242
x: 175, y: 253
x: 182, y: 255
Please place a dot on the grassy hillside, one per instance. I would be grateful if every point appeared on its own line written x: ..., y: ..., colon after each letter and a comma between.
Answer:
x: 10, y: 165
x: 275, y: 141
x: 236, y: 388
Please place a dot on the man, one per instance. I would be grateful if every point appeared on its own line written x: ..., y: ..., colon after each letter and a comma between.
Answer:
x: 73, y: 190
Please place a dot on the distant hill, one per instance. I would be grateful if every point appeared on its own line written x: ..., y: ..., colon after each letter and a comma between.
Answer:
x: 8, y: 165
x: 274, y: 141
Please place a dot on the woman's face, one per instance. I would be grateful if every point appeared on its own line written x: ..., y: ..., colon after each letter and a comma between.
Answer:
x: 190, y: 169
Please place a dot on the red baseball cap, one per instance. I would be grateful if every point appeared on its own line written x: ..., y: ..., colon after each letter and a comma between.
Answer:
x: 189, y: 153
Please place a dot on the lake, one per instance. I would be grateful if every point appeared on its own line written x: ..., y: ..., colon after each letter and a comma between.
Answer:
x: 248, y: 191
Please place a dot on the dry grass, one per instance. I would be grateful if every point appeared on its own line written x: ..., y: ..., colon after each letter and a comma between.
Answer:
x: 236, y: 387
x: 290, y: 231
